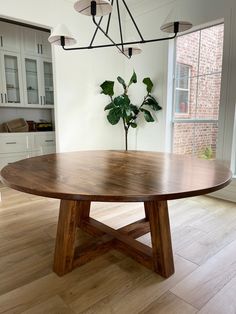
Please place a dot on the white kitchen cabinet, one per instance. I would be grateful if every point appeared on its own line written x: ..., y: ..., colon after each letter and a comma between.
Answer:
x: 17, y: 146
x: 35, y: 43
x: 46, y: 51
x: 13, y: 157
x: 45, y: 142
x: 26, y: 75
x: 26, y: 90
x: 47, y: 82
x: 11, y: 88
x: 9, y: 37
x: 38, y: 81
x: 13, y: 143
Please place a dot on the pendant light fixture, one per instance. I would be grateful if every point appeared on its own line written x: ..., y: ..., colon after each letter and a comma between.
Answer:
x: 101, y: 8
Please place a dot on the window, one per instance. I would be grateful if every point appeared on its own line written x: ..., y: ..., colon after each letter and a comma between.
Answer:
x: 182, y: 88
x: 197, y: 91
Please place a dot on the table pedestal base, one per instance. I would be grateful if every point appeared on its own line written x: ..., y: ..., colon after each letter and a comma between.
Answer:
x: 75, y: 214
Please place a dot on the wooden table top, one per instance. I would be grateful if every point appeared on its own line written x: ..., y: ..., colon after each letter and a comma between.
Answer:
x: 116, y: 176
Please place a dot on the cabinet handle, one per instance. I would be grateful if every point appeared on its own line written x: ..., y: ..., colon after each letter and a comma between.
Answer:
x: 10, y: 143
x: 41, y: 49
x: 41, y: 100
x: 1, y: 42
x: 1, y: 98
x: 49, y: 141
x: 6, y: 98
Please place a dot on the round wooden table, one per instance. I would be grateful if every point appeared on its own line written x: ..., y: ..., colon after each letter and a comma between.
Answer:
x: 79, y: 178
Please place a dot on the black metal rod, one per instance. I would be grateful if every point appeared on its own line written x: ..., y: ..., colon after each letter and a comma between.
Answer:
x: 119, y: 44
x: 93, y: 8
x: 109, y: 18
x: 120, y: 27
x: 131, y: 16
x: 62, y: 41
x: 114, y: 44
x: 130, y: 51
x: 95, y: 33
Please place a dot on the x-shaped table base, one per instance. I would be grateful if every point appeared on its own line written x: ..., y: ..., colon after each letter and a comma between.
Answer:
x: 75, y: 214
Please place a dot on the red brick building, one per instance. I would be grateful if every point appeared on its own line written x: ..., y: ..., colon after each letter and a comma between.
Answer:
x: 197, y: 90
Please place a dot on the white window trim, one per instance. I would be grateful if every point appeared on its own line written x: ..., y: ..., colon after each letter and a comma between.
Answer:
x: 182, y: 89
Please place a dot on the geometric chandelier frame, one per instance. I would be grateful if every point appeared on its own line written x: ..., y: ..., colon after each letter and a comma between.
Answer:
x: 61, y: 36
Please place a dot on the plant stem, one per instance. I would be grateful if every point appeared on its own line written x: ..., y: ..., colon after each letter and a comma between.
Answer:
x: 126, y: 129
x: 126, y: 139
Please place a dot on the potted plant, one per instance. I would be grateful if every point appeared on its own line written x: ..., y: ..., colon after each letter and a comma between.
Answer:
x: 121, y: 107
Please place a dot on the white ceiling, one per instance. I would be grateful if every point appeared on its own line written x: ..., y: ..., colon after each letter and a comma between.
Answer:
x: 131, y: 2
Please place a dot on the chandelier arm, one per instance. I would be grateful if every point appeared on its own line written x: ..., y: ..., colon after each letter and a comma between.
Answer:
x: 120, y: 26
x: 114, y: 44
x: 133, y: 20
x: 109, y: 18
x: 119, y: 44
x: 95, y: 33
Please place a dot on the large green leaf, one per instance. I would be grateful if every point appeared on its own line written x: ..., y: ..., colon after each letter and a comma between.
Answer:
x: 114, y: 116
x: 133, y: 79
x: 122, y: 101
x: 122, y: 82
x: 147, y: 115
x: 107, y: 88
x: 134, y: 109
x: 148, y: 82
x: 151, y: 102
x: 109, y: 106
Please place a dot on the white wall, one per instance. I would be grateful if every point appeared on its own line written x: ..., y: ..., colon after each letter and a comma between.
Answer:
x: 80, y: 119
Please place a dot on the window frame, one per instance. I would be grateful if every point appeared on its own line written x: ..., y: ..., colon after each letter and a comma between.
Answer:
x: 181, y: 118
x: 182, y: 89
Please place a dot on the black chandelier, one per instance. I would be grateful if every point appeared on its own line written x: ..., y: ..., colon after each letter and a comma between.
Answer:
x: 100, y: 8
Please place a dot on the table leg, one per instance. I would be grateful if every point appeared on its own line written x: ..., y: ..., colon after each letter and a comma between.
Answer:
x: 157, y: 212
x: 75, y: 214
x: 70, y: 215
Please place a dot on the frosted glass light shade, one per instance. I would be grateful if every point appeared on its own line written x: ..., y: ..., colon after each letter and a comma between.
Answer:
x: 58, y: 31
x: 183, y: 26
x: 136, y: 50
x: 104, y: 7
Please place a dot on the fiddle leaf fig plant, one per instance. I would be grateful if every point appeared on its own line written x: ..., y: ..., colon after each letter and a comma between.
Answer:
x: 121, y: 108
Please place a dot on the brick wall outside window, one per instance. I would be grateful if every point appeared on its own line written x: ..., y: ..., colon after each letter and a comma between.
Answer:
x: 202, y: 52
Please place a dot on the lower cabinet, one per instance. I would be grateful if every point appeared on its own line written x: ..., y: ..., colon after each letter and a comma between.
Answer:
x: 17, y: 146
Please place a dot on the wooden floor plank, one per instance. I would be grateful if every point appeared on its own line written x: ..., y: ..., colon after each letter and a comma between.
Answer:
x: 54, y: 305
x: 169, y: 304
x: 208, y: 279
x: 223, y: 302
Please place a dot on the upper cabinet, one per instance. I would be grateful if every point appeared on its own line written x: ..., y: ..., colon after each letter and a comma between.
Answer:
x: 9, y: 37
x: 46, y: 50
x: 35, y: 43
x: 48, y: 82
x: 11, y: 88
x: 26, y: 75
x: 38, y: 81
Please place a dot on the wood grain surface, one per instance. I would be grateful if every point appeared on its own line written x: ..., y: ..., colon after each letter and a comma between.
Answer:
x: 116, y: 176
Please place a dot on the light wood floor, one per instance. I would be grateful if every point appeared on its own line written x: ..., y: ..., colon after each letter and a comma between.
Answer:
x: 204, y: 242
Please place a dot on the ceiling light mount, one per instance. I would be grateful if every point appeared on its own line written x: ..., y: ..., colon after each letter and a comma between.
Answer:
x: 100, y: 8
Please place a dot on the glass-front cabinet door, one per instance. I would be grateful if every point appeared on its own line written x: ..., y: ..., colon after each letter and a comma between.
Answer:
x: 48, y: 83
x: 12, y: 85
x: 32, y: 82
